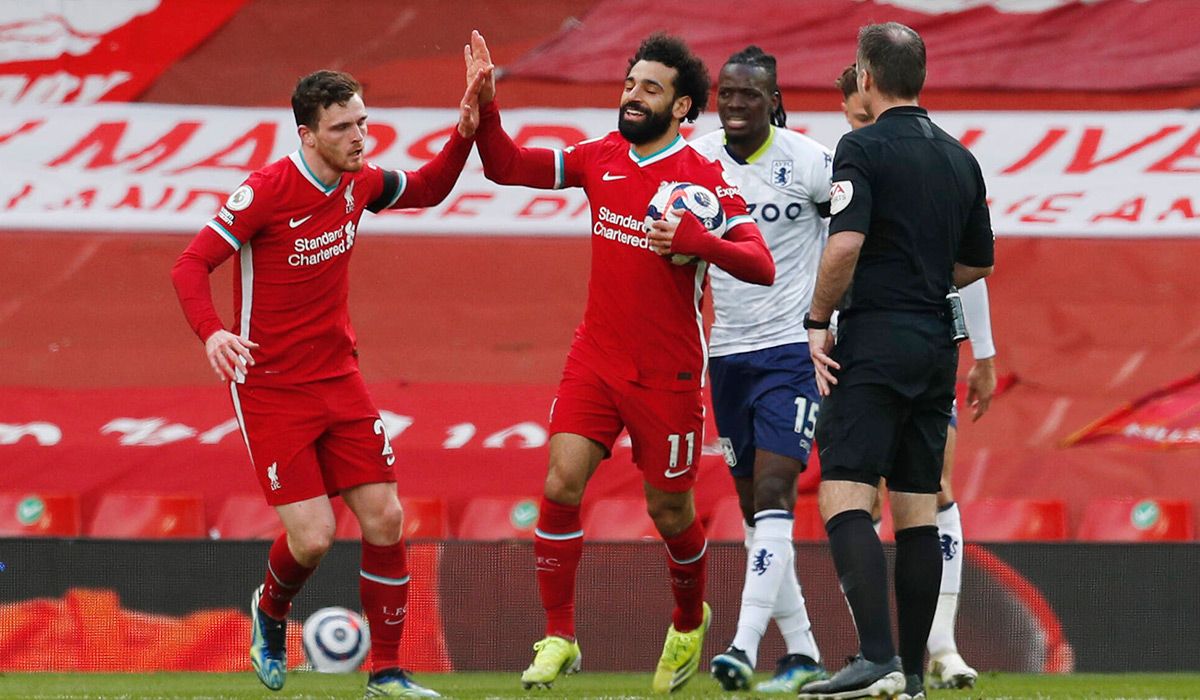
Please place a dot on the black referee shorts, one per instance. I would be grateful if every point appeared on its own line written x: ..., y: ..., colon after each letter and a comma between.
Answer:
x: 889, y: 413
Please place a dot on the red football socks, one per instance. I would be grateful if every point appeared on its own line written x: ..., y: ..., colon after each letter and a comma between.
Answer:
x: 383, y: 587
x: 687, y: 559
x: 285, y: 578
x: 558, y: 546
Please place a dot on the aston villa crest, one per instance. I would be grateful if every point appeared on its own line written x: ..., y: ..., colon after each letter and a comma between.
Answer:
x: 781, y: 173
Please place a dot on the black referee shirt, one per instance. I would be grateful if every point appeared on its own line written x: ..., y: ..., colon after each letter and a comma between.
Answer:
x: 919, y: 197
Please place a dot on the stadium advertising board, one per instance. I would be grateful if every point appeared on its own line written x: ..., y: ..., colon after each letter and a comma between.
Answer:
x: 127, y: 167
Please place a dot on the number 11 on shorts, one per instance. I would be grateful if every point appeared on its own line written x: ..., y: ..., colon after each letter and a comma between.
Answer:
x: 674, y: 442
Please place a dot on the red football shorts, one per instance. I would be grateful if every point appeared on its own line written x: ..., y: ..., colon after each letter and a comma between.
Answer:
x: 310, y: 439
x: 666, y: 428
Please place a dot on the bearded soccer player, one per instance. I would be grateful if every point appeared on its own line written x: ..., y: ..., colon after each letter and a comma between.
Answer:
x: 638, y: 358
x: 291, y: 360
x: 764, y: 392
x: 947, y: 669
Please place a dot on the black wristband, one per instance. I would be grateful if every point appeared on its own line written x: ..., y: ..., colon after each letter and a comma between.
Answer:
x: 812, y: 324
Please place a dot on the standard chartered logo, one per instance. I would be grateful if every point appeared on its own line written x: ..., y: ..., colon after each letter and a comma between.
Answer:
x: 319, y: 249
x: 627, y: 223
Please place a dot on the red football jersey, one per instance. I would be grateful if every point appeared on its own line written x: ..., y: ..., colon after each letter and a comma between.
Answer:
x: 293, y: 236
x: 643, y: 318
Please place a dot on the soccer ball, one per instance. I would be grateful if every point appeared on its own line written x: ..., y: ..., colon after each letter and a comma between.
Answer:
x: 674, y: 198
x: 335, y: 640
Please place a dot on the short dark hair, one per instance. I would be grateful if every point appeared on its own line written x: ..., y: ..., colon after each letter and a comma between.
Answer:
x: 757, y: 58
x: 691, y: 76
x: 847, y: 82
x: 895, y: 57
x: 318, y: 90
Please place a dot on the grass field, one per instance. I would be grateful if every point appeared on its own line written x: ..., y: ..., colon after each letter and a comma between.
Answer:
x: 44, y: 686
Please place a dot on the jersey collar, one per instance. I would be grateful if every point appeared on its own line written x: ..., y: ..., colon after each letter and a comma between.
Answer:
x: 297, y: 159
x: 766, y: 145
x: 662, y: 154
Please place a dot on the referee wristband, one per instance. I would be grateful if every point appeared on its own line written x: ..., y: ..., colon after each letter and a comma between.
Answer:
x: 812, y: 324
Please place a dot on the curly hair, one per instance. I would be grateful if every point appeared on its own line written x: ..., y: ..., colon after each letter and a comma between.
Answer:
x: 318, y: 90
x: 755, y: 57
x: 691, y: 76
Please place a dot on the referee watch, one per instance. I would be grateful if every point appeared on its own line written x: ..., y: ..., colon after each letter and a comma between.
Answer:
x: 812, y: 324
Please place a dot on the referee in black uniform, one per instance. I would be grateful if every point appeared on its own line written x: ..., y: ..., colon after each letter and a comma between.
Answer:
x: 910, y: 223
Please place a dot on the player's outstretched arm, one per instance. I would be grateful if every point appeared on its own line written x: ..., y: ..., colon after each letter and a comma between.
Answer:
x: 503, y: 161
x: 430, y: 184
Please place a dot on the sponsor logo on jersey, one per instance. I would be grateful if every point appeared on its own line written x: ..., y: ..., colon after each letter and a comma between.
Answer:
x: 840, y: 195
x: 226, y: 216
x: 322, y: 248
x: 609, y: 177
x: 729, y: 191
x: 293, y: 223
x: 240, y: 199
x: 625, y: 223
x: 781, y: 172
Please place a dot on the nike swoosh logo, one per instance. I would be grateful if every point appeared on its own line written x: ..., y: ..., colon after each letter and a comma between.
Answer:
x: 393, y: 622
x: 293, y: 223
x: 608, y: 177
x: 673, y: 475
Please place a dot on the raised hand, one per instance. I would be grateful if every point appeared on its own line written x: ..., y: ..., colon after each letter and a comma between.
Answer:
x: 479, y: 60
x: 468, y: 109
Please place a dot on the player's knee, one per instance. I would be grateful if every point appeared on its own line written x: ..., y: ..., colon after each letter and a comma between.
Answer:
x: 670, y: 518
x: 311, y: 545
x: 384, y: 525
x: 562, y: 487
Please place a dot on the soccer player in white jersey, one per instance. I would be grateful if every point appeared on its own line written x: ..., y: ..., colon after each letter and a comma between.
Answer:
x: 947, y: 669
x: 764, y: 392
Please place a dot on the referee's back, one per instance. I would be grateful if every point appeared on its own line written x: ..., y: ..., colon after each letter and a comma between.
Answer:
x: 919, y: 196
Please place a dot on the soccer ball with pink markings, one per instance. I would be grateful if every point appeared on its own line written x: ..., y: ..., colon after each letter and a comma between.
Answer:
x: 336, y: 640
x: 674, y: 198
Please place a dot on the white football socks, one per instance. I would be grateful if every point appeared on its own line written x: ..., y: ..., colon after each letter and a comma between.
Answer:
x: 792, y: 617
x: 768, y: 561
x: 941, y: 635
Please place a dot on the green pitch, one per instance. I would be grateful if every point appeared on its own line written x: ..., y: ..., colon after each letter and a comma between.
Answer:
x: 467, y: 686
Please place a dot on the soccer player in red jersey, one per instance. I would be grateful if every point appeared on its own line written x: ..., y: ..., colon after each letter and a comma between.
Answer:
x: 638, y: 358
x: 291, y: 360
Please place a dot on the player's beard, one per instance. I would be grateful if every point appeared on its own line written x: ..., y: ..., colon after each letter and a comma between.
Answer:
x: 653, y: 126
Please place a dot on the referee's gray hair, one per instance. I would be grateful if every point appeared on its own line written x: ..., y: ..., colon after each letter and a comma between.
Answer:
x: 894, y: 55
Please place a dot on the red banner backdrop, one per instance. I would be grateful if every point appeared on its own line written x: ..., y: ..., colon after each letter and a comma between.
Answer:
x: 79, y: 53
x: 1165, y: 419
x: 1059, y: 45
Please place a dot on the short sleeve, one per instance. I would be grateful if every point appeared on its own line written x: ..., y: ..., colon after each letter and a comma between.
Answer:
x: 245, y: 212
x: 819, y: 179
x: 977, y: 246
x: 570, y: 163
x: 384, y: 187
x: 850, y: 190
x: 729, y: 194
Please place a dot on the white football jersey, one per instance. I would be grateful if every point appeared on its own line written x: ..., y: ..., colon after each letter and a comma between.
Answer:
x: 783, y: 183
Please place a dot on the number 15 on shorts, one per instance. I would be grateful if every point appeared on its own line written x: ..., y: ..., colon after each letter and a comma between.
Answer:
x: 806, y: 418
